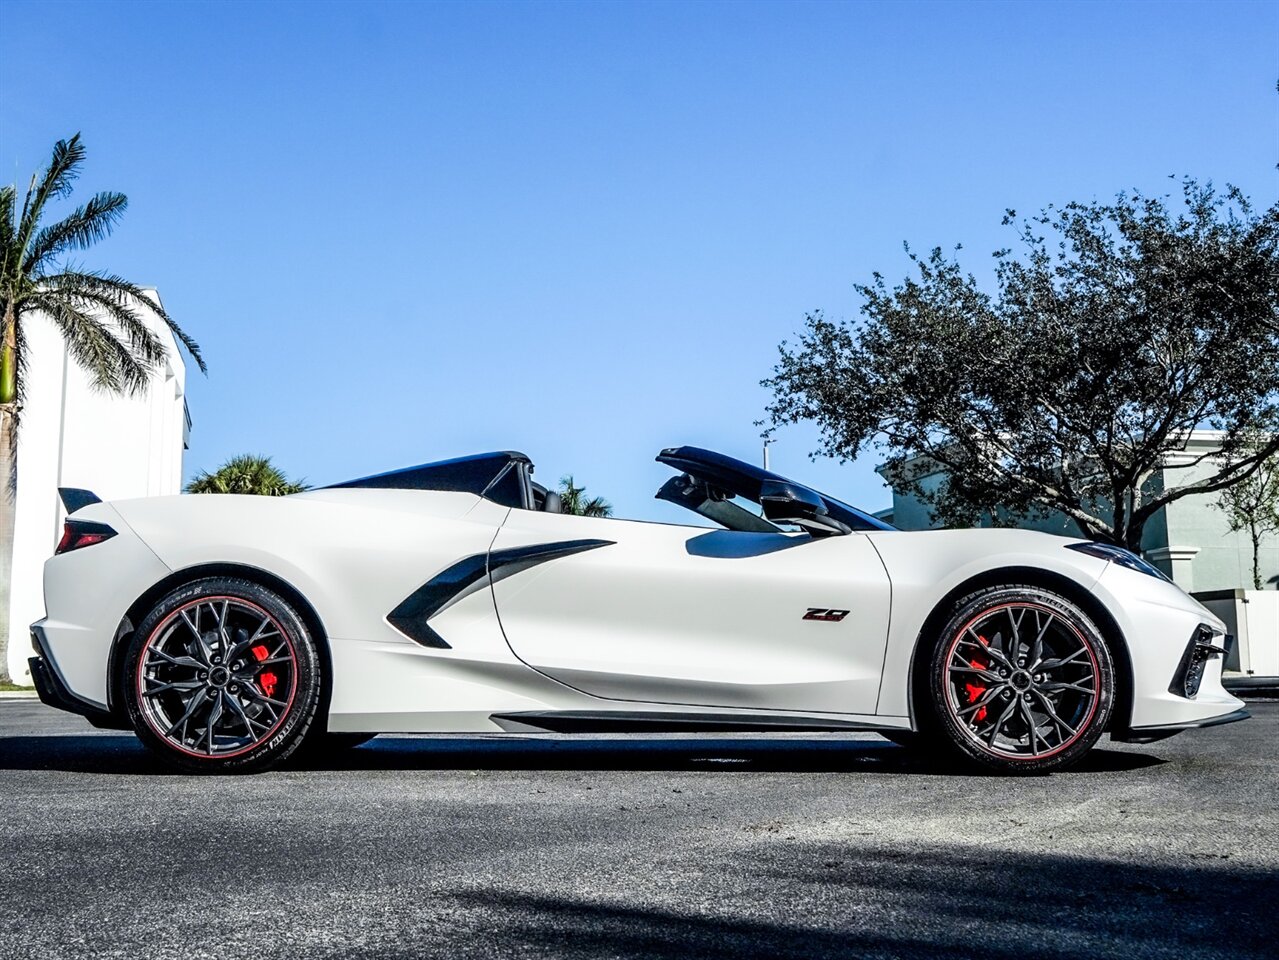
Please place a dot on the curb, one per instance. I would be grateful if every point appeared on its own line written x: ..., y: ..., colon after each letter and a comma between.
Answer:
x: 19, y: 694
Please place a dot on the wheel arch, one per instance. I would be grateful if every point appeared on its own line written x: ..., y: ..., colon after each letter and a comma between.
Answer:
x: 1072, y: 590
x: 142, y: 606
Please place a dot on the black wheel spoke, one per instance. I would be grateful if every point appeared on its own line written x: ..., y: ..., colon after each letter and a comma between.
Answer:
x: 1015, y: 616
x: 192, y: 705
x: 1003, y: 718
x: 1060, y: 662
x: 180, y: 661
x: 215, y: 714
x: 222, y: 624
x: 238, y: 709
x: 985, y: 700
x: 197, y: 646
x: 1032, y: 727
x: 1037, y: 648
x: 1052, y: 715
x: 978, y: 671
x: 257, y: 696
x: 264, y: 631
x: 184, y: 685
x: 1056, y: 686
x: 988, y: 648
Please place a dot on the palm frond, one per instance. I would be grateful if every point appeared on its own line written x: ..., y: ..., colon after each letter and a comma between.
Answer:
x: 8, y: 200
x: 109, y: 285
x: 192, y: 348
x: 93, y: 346
x: 84, y: 227
x: 90, y: 291
x: 58, y: 179
x: 597, y: 507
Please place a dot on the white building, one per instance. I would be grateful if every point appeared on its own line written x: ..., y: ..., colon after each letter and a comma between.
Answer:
x: 73, y: 435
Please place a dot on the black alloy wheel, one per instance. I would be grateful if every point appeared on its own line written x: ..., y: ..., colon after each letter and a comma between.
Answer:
x: 222, y: 675
x: 1021, y: 681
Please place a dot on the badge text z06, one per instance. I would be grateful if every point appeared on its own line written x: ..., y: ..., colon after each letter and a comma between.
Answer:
x: 825, y: 613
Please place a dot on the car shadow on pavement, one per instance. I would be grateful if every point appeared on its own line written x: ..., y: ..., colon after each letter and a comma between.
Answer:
x: 123, y: 754
x: 928, y: 900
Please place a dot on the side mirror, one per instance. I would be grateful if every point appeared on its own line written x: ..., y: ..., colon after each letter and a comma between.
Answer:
x: 785, y: 502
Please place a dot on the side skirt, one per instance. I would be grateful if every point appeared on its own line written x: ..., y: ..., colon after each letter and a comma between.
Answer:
x: 618, y: 721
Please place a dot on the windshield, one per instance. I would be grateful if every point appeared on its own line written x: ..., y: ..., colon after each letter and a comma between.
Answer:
x: 711, y: 481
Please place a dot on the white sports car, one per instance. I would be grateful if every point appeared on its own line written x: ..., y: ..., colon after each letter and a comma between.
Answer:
x: 228, y: 631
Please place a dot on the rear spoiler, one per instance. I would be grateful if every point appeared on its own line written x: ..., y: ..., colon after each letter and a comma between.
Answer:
x: 73, y: 498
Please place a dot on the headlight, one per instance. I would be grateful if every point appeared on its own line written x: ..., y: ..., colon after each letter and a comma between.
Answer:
x: 1125, y: 558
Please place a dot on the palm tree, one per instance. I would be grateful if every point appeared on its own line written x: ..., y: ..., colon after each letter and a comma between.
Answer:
x: 101, y: 316
x: 246, y: 474
x: 573, y: 500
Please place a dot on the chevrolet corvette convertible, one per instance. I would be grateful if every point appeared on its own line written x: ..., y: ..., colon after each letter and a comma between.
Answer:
x: 230, y: 631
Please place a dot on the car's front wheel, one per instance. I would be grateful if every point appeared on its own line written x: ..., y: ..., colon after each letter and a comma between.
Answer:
x: 1021, y: 681
x: 222, y: 676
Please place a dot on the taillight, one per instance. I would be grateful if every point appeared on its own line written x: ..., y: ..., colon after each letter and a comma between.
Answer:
x: 82, y: 533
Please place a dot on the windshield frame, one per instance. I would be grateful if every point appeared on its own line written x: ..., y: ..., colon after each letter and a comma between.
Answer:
x: 737, y: 478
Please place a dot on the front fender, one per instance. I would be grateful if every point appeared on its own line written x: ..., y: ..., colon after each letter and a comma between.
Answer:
x: 931, y: 568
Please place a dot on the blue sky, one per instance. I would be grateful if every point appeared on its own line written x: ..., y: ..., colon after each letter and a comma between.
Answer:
x: 407, y: 231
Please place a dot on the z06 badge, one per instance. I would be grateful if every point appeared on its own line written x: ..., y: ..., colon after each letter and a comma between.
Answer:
x: 825, y: 613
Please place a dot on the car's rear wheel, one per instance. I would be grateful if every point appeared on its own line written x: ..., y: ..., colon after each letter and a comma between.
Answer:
x: 222, y: 676
x: 1021, y: 681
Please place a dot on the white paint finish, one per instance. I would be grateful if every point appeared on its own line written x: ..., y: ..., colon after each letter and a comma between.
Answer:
x: 73, y: 435
x: 411, y: 689
x: 1157, y: 620
x: 88, y: 592
x: 687, y: 615
x: 355, y: 555
x: 926, y: 565
x: 1155, y: 617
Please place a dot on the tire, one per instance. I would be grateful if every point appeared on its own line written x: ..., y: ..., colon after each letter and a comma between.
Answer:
x: 1021, y: 681
x: 222, y: 676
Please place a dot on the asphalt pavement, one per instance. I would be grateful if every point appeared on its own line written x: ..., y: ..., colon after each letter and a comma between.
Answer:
x: 667, y: 847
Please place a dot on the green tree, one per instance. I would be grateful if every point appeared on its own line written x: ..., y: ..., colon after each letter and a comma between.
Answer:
x: 246, y: 473
x: 573, y: 500
x: 101, y: 317
x: 1253, y: 505
x: 1119, y: 329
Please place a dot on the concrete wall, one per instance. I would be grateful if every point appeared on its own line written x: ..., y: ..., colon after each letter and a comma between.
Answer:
x: 1222, y: 559
x: 73, y: 435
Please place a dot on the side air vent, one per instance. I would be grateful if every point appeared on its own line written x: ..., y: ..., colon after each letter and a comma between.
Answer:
x: 411, y: 617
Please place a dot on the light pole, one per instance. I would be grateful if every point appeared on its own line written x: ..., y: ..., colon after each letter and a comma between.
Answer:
x: 767, y: 441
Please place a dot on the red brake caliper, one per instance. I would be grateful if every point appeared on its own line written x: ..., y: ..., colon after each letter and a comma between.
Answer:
x: 267, y: 680
x: 975, y: 688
